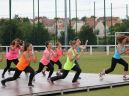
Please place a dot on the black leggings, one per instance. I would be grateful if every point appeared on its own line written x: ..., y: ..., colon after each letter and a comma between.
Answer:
x: 58, y: 63
x: 65, y: 73
x: 18, y: 72
x: 15, y: 61
x: 113, y: 65
x: 50, y: 66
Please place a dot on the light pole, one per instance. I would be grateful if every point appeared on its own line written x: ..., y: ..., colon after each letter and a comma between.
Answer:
x: 70, y: 13
x: 105, y: 23
x: 65, y: 23
x: 10, y: 11
x: 56, y: 20
x: 76, y: 15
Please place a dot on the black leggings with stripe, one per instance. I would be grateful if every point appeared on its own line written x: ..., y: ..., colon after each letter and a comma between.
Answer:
x: 114, y: 63
x: 18, y: 72
x: 58, y: 63
x: 41, y: 66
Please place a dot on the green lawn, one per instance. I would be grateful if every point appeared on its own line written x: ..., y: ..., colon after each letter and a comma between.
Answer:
x: 118, y: 91
x: 93, y: 64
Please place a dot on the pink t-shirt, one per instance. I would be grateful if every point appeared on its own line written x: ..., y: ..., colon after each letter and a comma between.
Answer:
x: 58, y: 54
x: 46, y: 57
x: 12, y: 54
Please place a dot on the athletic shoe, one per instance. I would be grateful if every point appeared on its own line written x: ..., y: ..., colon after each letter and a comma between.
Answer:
x: 125, y: 78
x: 101, y: 74
x: 3, y: 83
x: 50, y: 81
x: 76, y: 83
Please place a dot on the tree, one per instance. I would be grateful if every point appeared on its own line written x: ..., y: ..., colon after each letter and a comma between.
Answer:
x: 74, y: 19
x: 86, y: 33
x: 9, y: 31
x: 41, y: 35
x: 23, y: 29
x: 120, y: 27
x: 71, y: 35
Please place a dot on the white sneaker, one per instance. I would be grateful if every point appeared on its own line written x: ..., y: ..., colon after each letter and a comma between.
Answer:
x: 101, y: 74
x: 125, y: 78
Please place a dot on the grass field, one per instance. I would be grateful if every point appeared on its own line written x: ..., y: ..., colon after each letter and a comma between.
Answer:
x: 93, y: 64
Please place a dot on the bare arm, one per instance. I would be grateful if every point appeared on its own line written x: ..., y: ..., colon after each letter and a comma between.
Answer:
x: 12, y: 47
x: 54, y: 53
x: 30, y: 57
x: 27, y: 57
x: 120, y: 50
x: 70, y: 55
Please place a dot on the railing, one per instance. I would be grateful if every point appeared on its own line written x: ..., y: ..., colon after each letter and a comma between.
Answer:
x: 90, y: 48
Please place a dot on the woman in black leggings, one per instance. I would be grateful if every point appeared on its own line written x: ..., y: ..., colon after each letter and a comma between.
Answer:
x: 69, y: 65
x: 45, y: 61
x: 55, y: 59
x: 120, y: 49
x: 23, y: 65
x: 12, y: 55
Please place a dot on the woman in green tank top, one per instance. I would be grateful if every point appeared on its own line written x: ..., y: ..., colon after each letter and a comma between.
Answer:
x: 69, y: 65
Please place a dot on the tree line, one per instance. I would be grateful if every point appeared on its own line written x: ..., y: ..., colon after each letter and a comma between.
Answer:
x: 37, y: 34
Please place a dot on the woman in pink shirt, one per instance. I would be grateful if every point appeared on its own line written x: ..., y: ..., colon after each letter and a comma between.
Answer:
x: 55, y: 59
x: 12, y: 54
x: 45, y: 61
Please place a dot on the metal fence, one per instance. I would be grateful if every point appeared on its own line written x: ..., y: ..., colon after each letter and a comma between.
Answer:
x: 107, y: 49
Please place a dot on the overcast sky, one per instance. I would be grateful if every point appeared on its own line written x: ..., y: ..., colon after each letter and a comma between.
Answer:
x: 24, y: 8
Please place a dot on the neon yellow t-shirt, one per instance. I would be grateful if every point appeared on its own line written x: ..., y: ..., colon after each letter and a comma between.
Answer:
x: 69, y: 64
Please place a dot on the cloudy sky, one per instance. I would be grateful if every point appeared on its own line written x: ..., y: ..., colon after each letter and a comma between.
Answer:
x: 24, y: 8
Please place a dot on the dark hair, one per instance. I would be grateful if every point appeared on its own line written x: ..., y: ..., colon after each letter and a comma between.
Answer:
x: 26, y: 46
x: 17, y: 40
x: 13, y: 42
x: 76, y: 38
x: 120, y: 38
x: 72, y: 42
x: 58, y: 43
x: 47, y: 43
x: 127, y: 40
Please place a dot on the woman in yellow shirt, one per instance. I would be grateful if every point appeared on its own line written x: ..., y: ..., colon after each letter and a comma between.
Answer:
x: 69, y: 65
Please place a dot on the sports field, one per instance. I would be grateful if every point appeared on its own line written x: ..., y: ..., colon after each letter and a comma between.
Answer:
x: 93, y: 64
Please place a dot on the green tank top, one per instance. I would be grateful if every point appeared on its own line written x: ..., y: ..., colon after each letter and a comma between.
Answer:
x: 69, y: 64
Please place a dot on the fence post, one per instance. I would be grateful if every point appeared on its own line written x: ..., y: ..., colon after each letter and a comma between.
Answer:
x: 90, y: 50
x: 6, y: 49
x: 107, y: 49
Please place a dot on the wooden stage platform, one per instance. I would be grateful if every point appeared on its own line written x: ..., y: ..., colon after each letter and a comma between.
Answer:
x: 42, y: 87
